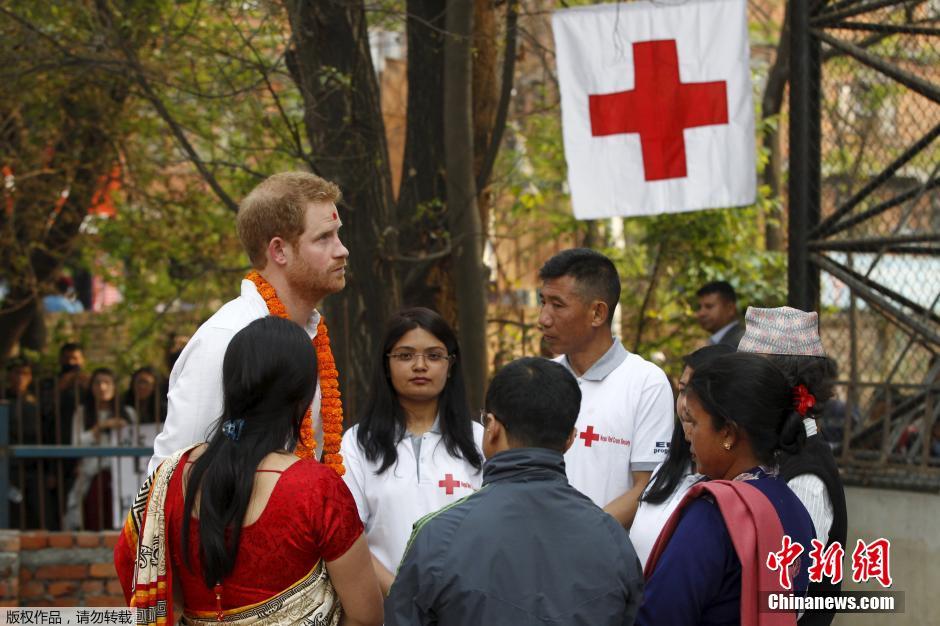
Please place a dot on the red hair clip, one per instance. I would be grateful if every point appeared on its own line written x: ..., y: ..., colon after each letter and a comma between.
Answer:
x: 803, y: 400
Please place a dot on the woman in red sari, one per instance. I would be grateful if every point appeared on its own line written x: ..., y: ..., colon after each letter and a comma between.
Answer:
x: 240, y: 530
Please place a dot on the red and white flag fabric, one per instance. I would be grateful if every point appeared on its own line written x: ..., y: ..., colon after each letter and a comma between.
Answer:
x: 656, y: 107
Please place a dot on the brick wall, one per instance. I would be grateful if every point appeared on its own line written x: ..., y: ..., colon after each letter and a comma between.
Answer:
x: 39, y: 568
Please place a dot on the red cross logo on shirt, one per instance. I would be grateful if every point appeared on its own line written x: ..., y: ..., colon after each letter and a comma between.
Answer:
x: 589, y: 436
x: 448, y: 483
x: 659, y: 108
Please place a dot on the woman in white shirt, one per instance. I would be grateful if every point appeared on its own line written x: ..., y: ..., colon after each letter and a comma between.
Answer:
x: 415, y: 448
x: 98, y: 421
x: 674, y: 476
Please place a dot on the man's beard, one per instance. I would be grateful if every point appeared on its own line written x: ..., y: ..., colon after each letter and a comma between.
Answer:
x: 309, y: 284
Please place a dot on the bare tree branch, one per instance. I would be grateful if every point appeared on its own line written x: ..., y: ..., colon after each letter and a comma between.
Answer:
x: 502, y: 111
x: 151, y: 95
x: 291, y: 127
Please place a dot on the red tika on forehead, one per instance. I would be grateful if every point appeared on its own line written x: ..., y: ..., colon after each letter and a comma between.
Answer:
x: 334, y: 215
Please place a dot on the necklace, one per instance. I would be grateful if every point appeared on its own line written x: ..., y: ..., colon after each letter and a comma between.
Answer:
x: 331, y: 406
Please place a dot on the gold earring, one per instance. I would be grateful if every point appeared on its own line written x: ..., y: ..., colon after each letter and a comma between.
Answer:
x: 727, y: 446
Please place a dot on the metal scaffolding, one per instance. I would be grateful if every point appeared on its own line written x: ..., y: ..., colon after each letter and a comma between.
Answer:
x: 864, y: 224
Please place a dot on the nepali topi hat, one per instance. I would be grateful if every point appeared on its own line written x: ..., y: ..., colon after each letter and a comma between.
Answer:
x: 781, y: 330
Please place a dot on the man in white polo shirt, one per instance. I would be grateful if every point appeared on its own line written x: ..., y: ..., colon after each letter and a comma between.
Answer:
x: 626, y: 418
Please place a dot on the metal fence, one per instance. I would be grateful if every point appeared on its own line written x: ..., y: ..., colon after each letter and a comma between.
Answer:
x: 865, y: 222
x: 61, y: 470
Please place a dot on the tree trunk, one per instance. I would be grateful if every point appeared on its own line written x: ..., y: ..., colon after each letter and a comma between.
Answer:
x: 14, y: 320
x: 331, y: 63
x: 423, y: 206
x: 463, y: 215
x: 485, y: 91
x: 771, y: 104
x: 421, y: 201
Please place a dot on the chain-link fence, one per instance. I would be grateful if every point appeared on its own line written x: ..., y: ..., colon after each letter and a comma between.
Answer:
x: 877, y: 239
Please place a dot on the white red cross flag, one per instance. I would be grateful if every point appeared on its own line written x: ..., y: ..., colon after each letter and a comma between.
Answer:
x: 656, y: 107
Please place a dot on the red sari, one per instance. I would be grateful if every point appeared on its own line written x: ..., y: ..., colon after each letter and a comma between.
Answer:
x: 310, y: 518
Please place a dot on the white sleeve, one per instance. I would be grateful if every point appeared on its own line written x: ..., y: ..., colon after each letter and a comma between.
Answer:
x: 476, y: 476
x: 126, y: 434
x: 194, y: 401
x: 653, y: 423
x: 355, y: 476
x: 80, y: 435
x: 811, y: 491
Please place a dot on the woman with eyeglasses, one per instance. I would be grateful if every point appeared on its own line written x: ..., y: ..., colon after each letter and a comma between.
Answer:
x: 415, y: 448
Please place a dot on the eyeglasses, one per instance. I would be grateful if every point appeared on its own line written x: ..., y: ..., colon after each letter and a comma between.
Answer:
x: 429, y: 357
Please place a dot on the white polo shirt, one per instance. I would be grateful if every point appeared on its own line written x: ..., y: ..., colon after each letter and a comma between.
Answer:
x: 417, y: 484
x: 624, y: 426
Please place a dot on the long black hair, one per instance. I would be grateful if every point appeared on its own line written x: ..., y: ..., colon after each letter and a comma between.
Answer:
x: 269, y: 377
x: 754, y: 395
x: 89, y: 404
x: 382, y: 422
x: 818, y: 373
x: 679, y: 458
x: 145, y: 407
x: 673, y: 469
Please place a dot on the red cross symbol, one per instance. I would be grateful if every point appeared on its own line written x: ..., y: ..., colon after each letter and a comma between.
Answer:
x: 659, y: 108
x: 448, y: 483
x: 589, y: 436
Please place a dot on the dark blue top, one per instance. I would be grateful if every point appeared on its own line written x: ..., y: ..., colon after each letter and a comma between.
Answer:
x: 697, y: 579
x: 526, y: 549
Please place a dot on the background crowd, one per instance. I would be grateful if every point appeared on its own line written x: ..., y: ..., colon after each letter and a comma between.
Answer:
x: 79, y: 406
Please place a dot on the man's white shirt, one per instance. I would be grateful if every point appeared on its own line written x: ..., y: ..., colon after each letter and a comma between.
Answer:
x: 424, y: 479
x: 194, y: 402
x: 625, y: 424
x: 721, y: 332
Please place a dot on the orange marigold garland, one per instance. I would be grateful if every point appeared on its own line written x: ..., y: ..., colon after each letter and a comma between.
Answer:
x: 331, y: 407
